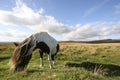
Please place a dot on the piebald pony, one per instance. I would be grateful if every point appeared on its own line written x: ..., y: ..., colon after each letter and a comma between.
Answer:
x: 23, y: 51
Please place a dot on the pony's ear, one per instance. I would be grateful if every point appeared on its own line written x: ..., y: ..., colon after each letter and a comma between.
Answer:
x: 16, y: 44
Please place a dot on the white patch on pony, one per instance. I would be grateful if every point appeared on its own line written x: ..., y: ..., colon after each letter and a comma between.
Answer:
x: 46, y: 38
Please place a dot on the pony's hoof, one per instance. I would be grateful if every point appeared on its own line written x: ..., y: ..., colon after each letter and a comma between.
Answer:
x: 41, y: 66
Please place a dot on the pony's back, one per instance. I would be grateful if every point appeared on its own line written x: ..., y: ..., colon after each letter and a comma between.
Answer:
x: 46, y: 38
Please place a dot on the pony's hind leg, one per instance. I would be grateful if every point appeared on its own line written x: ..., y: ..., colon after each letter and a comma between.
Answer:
x: 41, y: 58
x: 50, y: 61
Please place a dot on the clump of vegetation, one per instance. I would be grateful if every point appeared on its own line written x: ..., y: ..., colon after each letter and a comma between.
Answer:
x: 99, y: 70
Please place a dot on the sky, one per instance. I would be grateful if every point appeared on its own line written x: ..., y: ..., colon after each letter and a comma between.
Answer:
x: 78, y: 20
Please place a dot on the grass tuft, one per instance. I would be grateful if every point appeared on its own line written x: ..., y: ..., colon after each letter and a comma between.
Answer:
x: 99, y: 70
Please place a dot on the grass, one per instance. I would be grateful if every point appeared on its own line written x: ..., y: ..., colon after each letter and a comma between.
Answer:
x: 75, y: 61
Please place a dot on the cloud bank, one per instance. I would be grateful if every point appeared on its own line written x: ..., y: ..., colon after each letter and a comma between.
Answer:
x: 93, y: 31
x: 22, y: 15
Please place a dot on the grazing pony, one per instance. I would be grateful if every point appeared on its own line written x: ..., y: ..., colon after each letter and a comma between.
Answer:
x: 23, y: 51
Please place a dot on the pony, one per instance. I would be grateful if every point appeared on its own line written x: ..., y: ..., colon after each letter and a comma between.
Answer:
x: 23, y: 51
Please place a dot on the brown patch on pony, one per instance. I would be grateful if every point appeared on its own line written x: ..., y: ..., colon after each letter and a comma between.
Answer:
x: 23, y: 63
x: 20, y: 59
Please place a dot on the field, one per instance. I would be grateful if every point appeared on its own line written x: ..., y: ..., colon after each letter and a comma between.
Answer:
x: 75, y: 61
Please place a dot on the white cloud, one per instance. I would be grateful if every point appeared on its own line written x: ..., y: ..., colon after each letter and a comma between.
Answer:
x: 95, y: 8
x: 23, y: 15
x: 41, y: 11
x: 13, y: 35
x: 117, y: 8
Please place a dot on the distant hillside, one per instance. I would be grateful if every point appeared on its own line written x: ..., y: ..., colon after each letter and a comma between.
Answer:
x: 94, y: 41
x: 105, y: 41
x: 98, y: 41
x: 5, y: 43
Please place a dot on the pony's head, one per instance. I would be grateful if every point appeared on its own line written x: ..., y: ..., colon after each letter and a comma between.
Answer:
x: 21, y: 55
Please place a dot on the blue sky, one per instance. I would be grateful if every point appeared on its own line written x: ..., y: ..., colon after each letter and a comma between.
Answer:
x: 63, y: 19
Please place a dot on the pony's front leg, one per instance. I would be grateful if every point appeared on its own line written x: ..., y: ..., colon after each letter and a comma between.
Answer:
x: 53, y: 59
x: 41, y: 62
x: 41, y: 59
x: 50, y: 61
